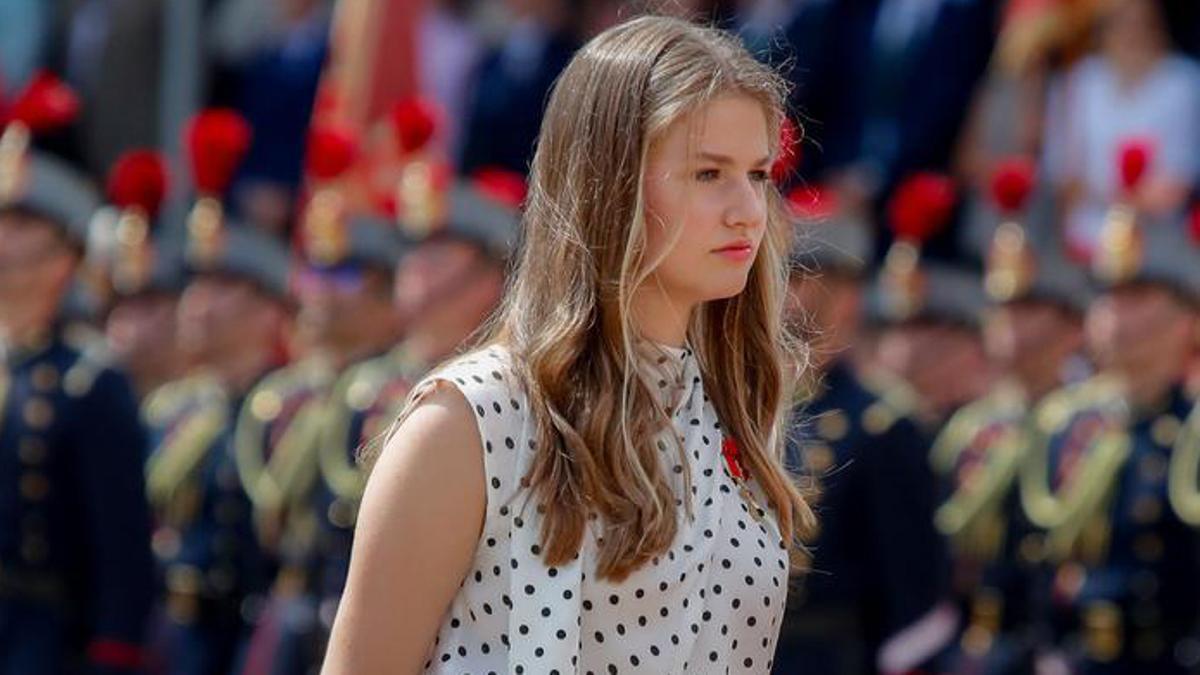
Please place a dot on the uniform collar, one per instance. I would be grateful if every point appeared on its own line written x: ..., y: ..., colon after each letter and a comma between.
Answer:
x: 16, y: 352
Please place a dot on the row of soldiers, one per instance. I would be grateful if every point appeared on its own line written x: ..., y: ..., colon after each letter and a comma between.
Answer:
x: 178, y: 477
x: 1008, y: 461
x: 1048, y: 524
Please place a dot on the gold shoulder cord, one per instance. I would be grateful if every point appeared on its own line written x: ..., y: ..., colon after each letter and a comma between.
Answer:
x: 1182, y: 483
x: 353, y: 393
x: 972, y: 516
x: 1072, y: 514
x: 361, y: 391
x: 291, y: 469
x: 202, y: 406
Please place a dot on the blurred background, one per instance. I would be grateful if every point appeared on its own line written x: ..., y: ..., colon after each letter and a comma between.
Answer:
x: 234, y: 232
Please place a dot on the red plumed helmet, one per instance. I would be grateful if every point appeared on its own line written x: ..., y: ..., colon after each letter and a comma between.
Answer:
x: 414, y: 121
x: 504, y: 186
x: 138, y: 179
x: 216, y: 139
x: 789, y: 151
x: 920, y: 206
x: 1133, y: 158
x: 1194, y: 224
x: 46, y: 104
x: 331, y: 151
x: 811, y: 202
x: 1012, y: 183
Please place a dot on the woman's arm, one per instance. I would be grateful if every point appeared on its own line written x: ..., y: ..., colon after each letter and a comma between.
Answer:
x: 421, y: 517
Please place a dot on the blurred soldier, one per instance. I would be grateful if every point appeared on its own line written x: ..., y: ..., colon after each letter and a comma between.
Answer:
x: 231, y: 319
x: 1032, y: 332
x: 929, y: 311
x: 1124, y: 587
x: 346, y: 316
x: 446, y: 287
x: 1184, y: 481
x: 876, y: 561
x: 75, y: 566
x: 144, y: 278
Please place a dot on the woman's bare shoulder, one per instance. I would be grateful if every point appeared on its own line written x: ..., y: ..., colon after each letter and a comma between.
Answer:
x: 438, y: 433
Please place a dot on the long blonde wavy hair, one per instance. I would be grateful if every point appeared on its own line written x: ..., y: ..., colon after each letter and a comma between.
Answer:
x: 566, y: 318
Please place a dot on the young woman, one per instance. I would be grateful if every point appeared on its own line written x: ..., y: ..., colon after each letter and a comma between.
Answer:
x: 598, y: 488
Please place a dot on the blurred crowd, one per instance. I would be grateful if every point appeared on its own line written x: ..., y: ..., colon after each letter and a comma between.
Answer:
x: 215, y: 290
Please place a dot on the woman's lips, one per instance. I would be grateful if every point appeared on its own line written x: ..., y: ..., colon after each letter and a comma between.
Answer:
x: 737, y: 251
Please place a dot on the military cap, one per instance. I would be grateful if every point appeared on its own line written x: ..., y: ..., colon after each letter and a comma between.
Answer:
x: 826, y: 240
x: 242, y: 251
x: 332, y: 237
x: 46, y: 187
x: 125, y: 241
x: 934, y: 291
x: 34, y: 182
x: 335, y: 232
x: 1016, y: 267
x: 479, y: 217
x: 1163, y: 252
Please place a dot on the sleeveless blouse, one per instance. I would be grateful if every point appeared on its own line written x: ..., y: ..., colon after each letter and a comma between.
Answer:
x: 711, y: 604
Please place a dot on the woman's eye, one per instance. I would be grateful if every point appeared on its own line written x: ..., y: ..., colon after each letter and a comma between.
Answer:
x: 760, y: 176
x: 707, y: 175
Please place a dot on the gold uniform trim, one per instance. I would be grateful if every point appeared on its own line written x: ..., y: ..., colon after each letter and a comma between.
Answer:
x: 1072, y: 513
x: 1183, y: 476
x: 357, y: 392
x: 290, y: 471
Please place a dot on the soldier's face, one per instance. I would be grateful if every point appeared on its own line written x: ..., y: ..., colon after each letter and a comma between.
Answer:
x: 1030, y: 335
x: 142, y: 330
x: 432, y: 272
x: 1139, y: 326
x: 34, y: 259
x: 218, y: 316
x: 945, y: 364
x: 337, y: 307
x: 824, y: 311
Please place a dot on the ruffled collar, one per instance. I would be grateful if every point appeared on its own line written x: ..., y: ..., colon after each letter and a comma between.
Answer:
x: 671, y: 372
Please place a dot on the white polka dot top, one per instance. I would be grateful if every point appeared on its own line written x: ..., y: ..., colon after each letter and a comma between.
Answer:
x: 711, y: 604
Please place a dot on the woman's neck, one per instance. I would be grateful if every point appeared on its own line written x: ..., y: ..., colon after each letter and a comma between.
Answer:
x: 660, y: 319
